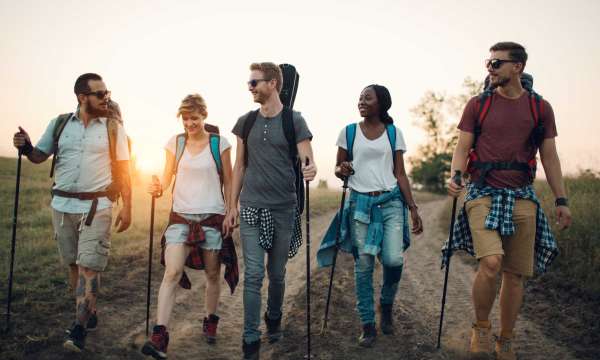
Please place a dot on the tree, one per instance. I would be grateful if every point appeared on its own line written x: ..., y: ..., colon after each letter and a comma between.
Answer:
x: 431, y: 166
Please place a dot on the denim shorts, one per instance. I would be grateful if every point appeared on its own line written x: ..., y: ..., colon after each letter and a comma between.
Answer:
x: 178, y: 233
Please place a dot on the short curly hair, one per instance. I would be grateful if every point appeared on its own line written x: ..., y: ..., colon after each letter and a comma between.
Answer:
x: 191, y: 103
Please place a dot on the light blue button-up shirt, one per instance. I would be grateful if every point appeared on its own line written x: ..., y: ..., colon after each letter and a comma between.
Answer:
x: 83, y: 161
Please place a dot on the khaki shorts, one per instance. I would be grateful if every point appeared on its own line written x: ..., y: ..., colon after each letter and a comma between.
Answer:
x: 517, y: 249
x: 83, y: 245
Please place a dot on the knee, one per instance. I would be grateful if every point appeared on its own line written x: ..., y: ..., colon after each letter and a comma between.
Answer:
x: 512, y: 280
x: 490, y: 265
x: 212, y: 276
x: 86, y: 272
x: 172, y: 275
x: 277, y: 276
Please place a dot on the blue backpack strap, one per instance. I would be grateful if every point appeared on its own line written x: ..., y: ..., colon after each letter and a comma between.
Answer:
x: 350, y: 136
x: 390, y: 129
x: 214, y: 142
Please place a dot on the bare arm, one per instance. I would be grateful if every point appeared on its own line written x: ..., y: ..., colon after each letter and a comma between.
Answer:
x: 404, y: 184
x: 305, y: 152
x: 124, y: 217
x: 21, y: 140
x: 459, y: 159
x: 227, y: 174
x: 551, y: 164
x: 239, y: 170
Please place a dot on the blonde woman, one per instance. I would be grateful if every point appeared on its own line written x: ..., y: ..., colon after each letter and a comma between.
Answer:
x: 196, y: 235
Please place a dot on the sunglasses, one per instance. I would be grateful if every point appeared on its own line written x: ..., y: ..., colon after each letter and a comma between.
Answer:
x: 100, y: 94
x: 496, y: 63
x: 254, y: 82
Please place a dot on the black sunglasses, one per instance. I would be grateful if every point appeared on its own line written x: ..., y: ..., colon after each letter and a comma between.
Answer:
x: 496, y: 63
x: 100, y: 94
x: 254, y: 82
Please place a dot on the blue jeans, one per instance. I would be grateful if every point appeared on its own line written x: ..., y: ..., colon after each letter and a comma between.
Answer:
x: 254, y: 270
x: 391, y: 257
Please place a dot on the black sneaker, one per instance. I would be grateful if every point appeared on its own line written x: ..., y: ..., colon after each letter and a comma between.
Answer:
x: 367, y: 338
x: 92, y: 322
x: 75, y: 339
x: 387, y: 322
x: 274, y: 332
x: 252, y: 350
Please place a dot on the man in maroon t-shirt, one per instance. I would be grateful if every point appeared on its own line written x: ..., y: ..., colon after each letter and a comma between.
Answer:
x: 505, y: 138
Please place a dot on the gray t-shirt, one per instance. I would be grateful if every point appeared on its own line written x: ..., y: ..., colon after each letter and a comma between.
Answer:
x: 269, y: 181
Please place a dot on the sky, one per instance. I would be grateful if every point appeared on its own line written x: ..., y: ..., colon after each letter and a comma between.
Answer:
x: 151, y: 54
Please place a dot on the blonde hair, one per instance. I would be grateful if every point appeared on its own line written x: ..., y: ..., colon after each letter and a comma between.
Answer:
x: 191, y: 103
x: 114, y: 111
x: 270, y: 71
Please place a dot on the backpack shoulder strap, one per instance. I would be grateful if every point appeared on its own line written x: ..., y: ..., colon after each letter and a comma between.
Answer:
x: 248, y: 124
x: 485, y: 102
x: 390, y: 129
x: 214, y: 143
x: 350, y: 136
x: 180, y: 142
x: 536, y: 105
x: 289, y: 131
x: 59, y: 126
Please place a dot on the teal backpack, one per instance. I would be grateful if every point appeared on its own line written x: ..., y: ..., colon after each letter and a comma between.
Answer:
x: 390, y: 129
x: 213, y: 141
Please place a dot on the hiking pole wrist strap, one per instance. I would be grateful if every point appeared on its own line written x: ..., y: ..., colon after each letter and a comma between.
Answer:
x: 561, y: 201
x: 27, y: 148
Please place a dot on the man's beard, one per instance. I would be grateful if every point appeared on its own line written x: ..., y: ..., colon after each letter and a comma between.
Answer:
x: 96, y: 112
x: 500, y: 81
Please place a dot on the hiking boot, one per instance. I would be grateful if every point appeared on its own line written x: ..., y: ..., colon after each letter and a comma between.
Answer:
x: 481, y: 339
x: 504, y: 349
x: 274, y: 332
x: 209, y: 328
x: 75, y: 340
x: 369, y: 333
x: 252, y: 350
x: 158, y: 343
x: 92, y: 323
x: 387, y: 326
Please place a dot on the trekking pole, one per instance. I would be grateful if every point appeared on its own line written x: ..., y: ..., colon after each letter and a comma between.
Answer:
x: 456, y: 179
x: 308, y: 356
x: 337, y: 241
x: 13, y: 241
x: 154, y: 178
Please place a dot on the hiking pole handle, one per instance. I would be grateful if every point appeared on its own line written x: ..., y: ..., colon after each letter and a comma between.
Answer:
x: 457, y: 180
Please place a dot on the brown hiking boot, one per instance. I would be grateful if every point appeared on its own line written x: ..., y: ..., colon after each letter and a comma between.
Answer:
x: 158, y: 343
x: 481, y: 340
x: 504, y: 349
x: 368, y: 336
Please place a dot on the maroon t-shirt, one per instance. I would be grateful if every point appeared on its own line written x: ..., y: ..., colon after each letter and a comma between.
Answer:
x: 505, y: 135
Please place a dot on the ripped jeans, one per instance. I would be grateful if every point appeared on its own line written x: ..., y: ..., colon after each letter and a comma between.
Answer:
x: 391, y: 256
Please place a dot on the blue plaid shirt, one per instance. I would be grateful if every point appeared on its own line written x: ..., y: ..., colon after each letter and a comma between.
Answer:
x: 500, y: 218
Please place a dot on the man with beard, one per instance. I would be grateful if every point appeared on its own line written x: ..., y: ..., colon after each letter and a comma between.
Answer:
x: 502, y: 222
x: 91, y: 171
x: 264, y: 174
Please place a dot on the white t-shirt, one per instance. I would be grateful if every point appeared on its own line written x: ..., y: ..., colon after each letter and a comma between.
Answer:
x: 373, y: 161
x: 198, y: 188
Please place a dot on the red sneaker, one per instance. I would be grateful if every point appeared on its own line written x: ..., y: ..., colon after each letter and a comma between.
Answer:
x: 158, y: 343
x: 209, y: 328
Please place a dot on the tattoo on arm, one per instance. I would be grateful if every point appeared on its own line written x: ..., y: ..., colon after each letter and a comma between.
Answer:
x: 83, y: 311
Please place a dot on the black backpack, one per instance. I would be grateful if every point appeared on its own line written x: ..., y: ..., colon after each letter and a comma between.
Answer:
x: 287, y: 96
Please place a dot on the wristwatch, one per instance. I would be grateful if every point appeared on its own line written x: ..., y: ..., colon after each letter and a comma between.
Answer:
x: 412, y: 207
x: 561, y: 201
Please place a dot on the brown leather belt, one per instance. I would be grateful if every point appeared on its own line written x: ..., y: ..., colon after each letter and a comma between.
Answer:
x: 375, y: 193
x: 84, y: 196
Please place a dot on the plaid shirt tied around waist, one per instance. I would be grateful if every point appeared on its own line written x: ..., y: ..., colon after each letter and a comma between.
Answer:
x: 500, y: 218
x: 264, y: 220
x: 196, y: 236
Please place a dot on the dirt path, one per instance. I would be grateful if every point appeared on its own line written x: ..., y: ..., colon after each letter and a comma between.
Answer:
x: 416, y: 312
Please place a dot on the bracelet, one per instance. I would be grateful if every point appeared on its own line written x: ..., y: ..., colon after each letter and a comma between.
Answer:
x: 27, y: 149
x: 561, y: 201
